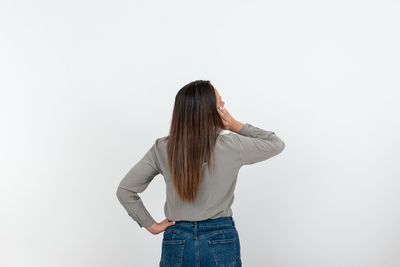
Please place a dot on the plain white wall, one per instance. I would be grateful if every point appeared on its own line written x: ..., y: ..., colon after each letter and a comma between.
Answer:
x: 87, y: 86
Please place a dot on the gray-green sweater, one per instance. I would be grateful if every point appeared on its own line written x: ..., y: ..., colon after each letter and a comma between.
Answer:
x: 215, y: 196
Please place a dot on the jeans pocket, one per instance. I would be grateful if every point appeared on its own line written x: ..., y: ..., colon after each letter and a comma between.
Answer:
x: 223, y: 251
x: 172, y: 252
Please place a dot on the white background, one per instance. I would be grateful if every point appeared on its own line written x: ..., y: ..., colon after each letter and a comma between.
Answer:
x: 87, y: 86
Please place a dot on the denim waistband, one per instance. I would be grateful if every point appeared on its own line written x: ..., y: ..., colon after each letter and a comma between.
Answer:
x: 208, y: 222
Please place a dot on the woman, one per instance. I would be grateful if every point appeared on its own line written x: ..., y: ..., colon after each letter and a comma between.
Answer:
x: 200, y: 167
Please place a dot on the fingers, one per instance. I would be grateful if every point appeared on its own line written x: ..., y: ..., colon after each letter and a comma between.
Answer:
x: 168, y: 223
x: 223, y: 109
x: 222, y: 115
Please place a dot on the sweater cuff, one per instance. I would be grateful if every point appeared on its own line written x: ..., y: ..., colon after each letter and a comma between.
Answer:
x: 146, y: 222
x: 245, y: 130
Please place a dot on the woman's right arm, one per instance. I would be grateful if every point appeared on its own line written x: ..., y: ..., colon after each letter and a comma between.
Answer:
x: 254, y: 144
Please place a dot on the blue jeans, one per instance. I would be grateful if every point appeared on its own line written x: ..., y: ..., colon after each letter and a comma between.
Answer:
x: 206, y: 243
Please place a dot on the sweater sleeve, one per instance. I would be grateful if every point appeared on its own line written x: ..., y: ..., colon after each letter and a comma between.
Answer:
x: 136, y: 181
x: 257, y: 144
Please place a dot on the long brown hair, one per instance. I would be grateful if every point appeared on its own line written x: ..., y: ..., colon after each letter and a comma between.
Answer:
x: 195, y: 127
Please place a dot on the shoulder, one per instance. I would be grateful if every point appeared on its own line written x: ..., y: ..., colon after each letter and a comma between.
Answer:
x: 229, y: 139
x: 160, y: 143
x: 156, y: 152
x: 161, y: 140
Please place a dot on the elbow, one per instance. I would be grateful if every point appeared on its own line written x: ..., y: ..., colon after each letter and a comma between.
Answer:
x: 277, y: 144
x: 121, y: 194
x: 282, y: 146
x: 279, y: 147
x: 125, y: 195
x: 118, y: 193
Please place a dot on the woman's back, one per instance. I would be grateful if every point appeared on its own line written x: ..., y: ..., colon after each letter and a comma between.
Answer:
x: 216, y: 193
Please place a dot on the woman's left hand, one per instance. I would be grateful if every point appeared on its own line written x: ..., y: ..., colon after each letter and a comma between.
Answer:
x: 157, y: 228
